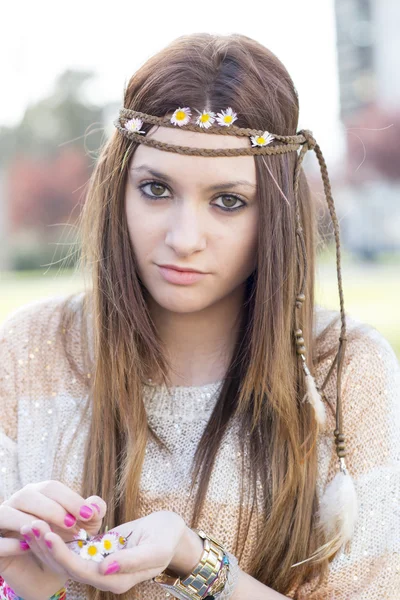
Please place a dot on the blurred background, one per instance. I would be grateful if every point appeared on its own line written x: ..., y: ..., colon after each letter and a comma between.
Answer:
x: 64, y: 71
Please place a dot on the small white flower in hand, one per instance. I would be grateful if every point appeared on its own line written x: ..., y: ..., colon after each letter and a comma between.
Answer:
x: 109, y: 543
x: 92, y: 551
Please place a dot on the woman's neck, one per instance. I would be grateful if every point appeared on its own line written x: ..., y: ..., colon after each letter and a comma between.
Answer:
x: 199, y: 344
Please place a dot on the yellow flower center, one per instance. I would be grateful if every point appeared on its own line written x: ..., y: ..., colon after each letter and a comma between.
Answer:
x: 107, y: 544
x: 204, y: 118
x: 260, y: 140
x: 92, y: 550
x: 228, y: 118
x: 80, y: 544
x: 121, y: 540
x: 180, y: 115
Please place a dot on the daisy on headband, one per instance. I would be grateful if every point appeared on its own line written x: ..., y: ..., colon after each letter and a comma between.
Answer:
x: 134, y: 125
x: 181, y: 116
x: 205, y: 119
x: 226, y: 117
x: 261, y: 140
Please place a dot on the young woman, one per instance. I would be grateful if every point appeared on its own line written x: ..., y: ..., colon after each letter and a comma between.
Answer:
x: 176, y: 408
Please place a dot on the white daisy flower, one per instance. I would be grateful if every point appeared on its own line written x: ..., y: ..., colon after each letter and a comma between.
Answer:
x: 261, y: 140
x: 122, y: 540
x: 206, y: 119
x: 181, y: 116
x: 92, y: 551
x: 134, y: 125
x: 109, y: 543
x: 80, y: 539
x: 226, y: 117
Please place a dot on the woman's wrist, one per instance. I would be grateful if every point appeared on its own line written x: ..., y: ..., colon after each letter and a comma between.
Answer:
x: 188, y: 553
x: 8, y: 593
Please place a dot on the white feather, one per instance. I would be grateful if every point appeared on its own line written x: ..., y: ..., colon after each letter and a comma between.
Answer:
x: 313, y: 397
x: 338, y: 509
x: 337, y: 515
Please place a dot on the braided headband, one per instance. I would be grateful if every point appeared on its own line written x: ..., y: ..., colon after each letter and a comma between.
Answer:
x: 129, y: 124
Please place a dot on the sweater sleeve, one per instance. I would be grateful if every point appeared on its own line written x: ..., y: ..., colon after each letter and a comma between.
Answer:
x: 10, y: 331
x: 369, y: 566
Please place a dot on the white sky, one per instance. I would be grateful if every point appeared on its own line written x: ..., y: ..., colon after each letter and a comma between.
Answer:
x: 40, y: 39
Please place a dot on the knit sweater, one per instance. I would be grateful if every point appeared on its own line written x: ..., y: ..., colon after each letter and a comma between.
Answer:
x: 41, y: 402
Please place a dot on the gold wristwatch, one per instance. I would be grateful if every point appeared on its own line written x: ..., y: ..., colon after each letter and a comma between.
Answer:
x: 195, y: 585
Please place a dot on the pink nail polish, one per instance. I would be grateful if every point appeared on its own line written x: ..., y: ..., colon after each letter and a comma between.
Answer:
x: 112, y: 568
x: 36, y: 532
x: 48, y: 543
x: 97, y: 507
x: 26, y: 537
x: 69, y: 520
x: 85, y: 511
x: 24, y: 545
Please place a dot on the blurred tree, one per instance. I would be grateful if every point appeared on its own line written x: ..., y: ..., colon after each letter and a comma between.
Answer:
x: 61, y: 118
x: 47, y: 160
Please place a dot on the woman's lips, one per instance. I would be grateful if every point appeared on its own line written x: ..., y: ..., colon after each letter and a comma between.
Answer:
x: 181, y: 277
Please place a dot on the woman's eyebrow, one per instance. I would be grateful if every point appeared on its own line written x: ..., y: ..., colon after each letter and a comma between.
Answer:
x: 218, y: 186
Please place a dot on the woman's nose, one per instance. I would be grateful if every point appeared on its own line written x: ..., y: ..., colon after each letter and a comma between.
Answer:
x: 186, y: 232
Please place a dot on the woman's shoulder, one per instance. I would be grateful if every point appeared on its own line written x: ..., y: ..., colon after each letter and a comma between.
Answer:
x: 370, y: 380
x: 38, y: 317
x: 363, y: 339
x: 33, y: 338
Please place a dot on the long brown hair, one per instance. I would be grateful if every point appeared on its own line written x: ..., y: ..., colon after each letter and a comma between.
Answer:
x: 263, y: 384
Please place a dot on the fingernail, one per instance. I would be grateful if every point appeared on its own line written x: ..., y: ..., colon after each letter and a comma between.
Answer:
x: 26, y: 537
x: 48, y: 543
x: 24, y: 545
x: 97, y: 507
x: 112, y: 568
x: 69, y: 520
x: 36, y: 532
x: 85, y: 511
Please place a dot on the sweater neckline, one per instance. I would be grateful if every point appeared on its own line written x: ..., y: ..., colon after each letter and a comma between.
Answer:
x: 185, y: 388
x: 181, y: 403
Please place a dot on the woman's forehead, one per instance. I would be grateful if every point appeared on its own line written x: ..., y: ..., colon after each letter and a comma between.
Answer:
x: 214, y: 169
x: 195, y: 139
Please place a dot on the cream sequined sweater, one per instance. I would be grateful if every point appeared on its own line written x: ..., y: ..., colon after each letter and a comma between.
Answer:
x: 40, y: 404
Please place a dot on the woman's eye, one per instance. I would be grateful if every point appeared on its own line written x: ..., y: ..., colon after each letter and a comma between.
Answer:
x: 230, y: 202
x: 156, y: 189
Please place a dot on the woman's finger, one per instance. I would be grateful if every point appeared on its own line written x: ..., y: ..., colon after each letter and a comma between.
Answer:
x: 55, y: 503
x: 98, y: 504
x: 39, y: 546
x: 141, y: 562
x: 28, y: 535
x: 11, y: 521
x: 12, y: 547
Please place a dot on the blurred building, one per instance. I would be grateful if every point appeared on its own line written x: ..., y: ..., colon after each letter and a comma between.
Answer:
x: 368, y: 58
x: 4, y: 233
x: 368, y: 51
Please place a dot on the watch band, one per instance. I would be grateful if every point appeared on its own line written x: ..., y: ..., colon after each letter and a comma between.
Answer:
x: 195, y: 586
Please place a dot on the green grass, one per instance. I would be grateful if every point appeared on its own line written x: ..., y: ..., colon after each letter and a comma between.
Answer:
x: 371, y: 291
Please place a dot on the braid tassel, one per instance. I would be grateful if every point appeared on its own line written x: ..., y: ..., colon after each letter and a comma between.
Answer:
x: 338, y: 506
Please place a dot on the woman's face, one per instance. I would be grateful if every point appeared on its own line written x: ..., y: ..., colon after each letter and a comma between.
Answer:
x: 177, y: 214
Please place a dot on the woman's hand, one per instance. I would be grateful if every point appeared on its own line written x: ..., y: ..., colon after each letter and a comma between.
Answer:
x: 155, y: 542
x: 61, y: 508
